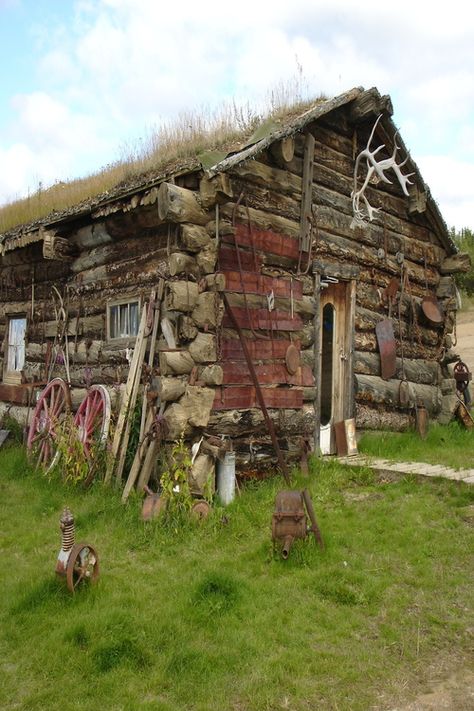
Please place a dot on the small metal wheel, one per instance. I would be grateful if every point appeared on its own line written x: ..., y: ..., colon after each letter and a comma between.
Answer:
x: 82, y: 566
x: 53, y: 403
x: 93, y: 418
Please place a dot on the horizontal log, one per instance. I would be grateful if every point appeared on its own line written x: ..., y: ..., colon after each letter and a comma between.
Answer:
x: 181, y: 296
x: 305, y: 305
x: 259, y: 349
x: 258, y: 173
x: 253, y: 283
x: 260, y: 219
x: 265, y: 241
x: 237, y: 373
x: 180, y: 263
x: 349, y: 250
x: 211, y: 374
x: 176, y: 204
x: 378, y: 418
x: 204, y: 348
x: 194, y: 237
x: 198, y: 402
x: 262, y: 319
x: 417, y: 371
x: 176, y: 362
x: 208, y: 311
x: 170, y: 388
x: 374, y: 390
x: 229, y: 259
x: 456, y: 263
x: 231, y: 397
x: 250, y: 421
x: 366, y: 320
x: 367, y: 341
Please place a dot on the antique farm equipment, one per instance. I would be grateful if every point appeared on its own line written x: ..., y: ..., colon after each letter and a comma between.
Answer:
x: 92, y: 418
x: 432, y: 311
x: 290, y: 519
x: 462, y: 376
x: 54, y: 402
x: 78, y: 562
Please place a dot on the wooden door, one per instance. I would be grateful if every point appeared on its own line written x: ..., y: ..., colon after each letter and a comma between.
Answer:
x: 334, y: 349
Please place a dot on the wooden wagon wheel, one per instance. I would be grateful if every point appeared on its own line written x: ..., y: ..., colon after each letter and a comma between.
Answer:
x: 93, y: 418
x: 82, y: 566
x: 53, y: 403
x: 92, y: 421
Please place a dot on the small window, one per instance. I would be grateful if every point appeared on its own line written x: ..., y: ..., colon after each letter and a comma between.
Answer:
x: 123, y: 319
x: 15, y: 356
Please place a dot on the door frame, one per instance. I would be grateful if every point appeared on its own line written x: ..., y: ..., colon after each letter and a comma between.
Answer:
x: 347, y: 275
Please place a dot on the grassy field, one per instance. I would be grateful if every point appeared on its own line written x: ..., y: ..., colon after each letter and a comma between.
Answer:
x: 206, y: 616
x: 452, y: 445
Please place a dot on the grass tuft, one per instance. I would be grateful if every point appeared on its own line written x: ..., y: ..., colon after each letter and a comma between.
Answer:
x: 126, y: 652
x: 217, y: 593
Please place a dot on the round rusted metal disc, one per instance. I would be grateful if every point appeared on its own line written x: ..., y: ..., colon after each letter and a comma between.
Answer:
x: 292, y: 359
x: 432, y: 310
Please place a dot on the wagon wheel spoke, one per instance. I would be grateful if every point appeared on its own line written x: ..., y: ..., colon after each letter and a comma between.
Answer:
x: 42, y: 435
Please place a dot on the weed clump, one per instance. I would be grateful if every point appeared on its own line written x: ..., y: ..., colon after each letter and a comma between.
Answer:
x: 216, y: 593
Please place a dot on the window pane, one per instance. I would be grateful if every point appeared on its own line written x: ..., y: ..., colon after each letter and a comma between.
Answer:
x: 123, y: 319
x: 134, y: 318
x: 16, y: 344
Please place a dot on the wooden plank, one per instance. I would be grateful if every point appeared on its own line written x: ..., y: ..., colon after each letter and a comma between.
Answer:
x: 244, y: 397
x: 16, y: 394
x: 306, y: 200
x: 254, y: 283
x: 237, y: 373
x: 264, y: 319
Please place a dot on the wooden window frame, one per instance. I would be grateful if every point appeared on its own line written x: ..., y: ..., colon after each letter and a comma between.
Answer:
x: 121, y: 340
x: 13, y: 377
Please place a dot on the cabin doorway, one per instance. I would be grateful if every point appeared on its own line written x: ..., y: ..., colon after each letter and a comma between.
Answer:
x: 334, y: 349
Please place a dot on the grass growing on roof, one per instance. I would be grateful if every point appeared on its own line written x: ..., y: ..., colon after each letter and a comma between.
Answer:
x: 451, y: 445
x: 169, y: 147
x: 207, y: 617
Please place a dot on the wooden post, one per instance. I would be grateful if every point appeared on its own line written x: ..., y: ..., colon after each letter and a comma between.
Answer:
x: 349, y: 405
x: 306, y: 199
x: 133, y: 375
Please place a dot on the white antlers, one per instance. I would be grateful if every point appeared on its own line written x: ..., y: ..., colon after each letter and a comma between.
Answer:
x: 361, y: 216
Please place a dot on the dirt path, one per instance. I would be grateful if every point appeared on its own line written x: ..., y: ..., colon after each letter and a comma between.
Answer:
x: 455, y: 693
x: 465, y: 335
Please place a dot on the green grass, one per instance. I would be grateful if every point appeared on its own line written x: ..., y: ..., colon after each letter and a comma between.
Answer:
x: 209, y: 617
x: 451, y: 445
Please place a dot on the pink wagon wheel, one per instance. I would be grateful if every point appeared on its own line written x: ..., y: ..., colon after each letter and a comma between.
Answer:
x: 53, y: 403
x: 93, y: 418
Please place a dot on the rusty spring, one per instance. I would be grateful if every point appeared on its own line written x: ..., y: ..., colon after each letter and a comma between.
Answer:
x: 68, y: 531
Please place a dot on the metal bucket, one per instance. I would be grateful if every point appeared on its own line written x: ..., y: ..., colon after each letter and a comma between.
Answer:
x: 226, y: 478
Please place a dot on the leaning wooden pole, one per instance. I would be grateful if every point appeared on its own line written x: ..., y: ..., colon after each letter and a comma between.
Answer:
x: 259, y: 393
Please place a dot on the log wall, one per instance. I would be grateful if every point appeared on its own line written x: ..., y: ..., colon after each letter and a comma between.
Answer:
x: 245, y: 232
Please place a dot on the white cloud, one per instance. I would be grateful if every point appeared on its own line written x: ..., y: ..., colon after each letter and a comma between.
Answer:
x: 450, y: 182
x: 124, y: 65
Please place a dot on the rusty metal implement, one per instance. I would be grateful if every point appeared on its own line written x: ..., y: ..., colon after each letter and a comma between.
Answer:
x: 387, y: 348
x: 77, y: 562
x: 289, y: 519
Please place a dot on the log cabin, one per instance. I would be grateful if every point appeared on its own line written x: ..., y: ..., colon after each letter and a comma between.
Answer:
x: 289, y: 264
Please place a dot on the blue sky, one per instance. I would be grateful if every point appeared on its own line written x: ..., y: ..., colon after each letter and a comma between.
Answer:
x: 81, y: 79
